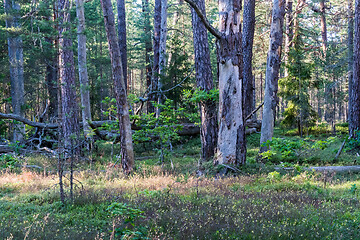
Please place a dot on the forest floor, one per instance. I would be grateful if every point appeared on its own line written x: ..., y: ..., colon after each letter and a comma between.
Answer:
x: 173, y: 203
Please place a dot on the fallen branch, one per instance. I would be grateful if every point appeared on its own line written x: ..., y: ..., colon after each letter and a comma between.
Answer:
x: 27, y: 121
x: 340, y: 150
x: 253, y: 112
x: 5, y: 149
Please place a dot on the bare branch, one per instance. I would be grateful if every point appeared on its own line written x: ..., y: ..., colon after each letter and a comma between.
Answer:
x: 27, y: 121
x: 203, y: 18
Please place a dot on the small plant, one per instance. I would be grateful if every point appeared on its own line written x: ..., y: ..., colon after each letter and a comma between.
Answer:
x: 274, y: 176
x: 8, y: 161
x: 128, y: 229
x: 354, y: 189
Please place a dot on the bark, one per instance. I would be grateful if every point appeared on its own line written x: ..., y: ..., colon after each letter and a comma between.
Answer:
x: 162, y: 51
x: 204, y: 80
x: 148, y: 50
x: 289, y: 32
x: 323, y: 26
x: 70, y: 111
x: 51, y: 80
x: 350, y: 60
x: 83, y: 75
x: 247, y: 45
x: 127, y: 153
x: 272, y: 72
x: 156, y: 47
x: 122, y: 37
x: 231, y: 147
x: 355, y: 83
x: 16, y: 60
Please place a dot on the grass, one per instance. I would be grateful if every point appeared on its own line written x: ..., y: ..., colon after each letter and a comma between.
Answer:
x: 167, y: 203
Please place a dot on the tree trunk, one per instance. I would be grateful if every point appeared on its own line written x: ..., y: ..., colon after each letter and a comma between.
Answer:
x: 162, y: 51
x: 16, y: 60
x: 156, y: 47
x: 70, y: 111
x: 204, y: 80
x: 350, y: 60
x: 272, y: 72
x: 323, y: 26
x: 122, y: 37
x: 231, y: 147
x: 247, y: 45
x: 127, y: 154
x: 355, y: 110
x: 83, y: 75
x: 148, y: 50
x: 289, y: 32
x: 51, y: 79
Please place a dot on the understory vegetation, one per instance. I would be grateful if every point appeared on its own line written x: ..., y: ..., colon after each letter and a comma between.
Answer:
x: 274, y: 199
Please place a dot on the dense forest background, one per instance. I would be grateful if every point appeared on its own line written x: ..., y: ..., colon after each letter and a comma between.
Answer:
x: 179, y: 119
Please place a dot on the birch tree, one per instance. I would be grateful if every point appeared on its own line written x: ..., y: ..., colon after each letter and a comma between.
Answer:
x: 272, y: 72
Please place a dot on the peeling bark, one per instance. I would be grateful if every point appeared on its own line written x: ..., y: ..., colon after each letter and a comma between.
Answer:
x: 231, y: 147
x: 272, y: 72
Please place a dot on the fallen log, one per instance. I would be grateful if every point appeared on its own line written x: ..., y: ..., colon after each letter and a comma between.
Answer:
x: 336, y: 169
x: 27, y: 121
x: 188, y: 129
x: 5, y: 149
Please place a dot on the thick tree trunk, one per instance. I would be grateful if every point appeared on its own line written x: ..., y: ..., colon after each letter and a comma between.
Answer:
x: 70, y: 111
x: 148, y: 50
x: 350, y: 60
x: 127, y: 153
x: 204, y: 80
x: 83, y: 75
x: 231, y: 147
x: 355, y: 110
x: 162, y: 51
x: 122, y: 37
x: 247, y: 45
x: 16, y: 60
x: 272, y: 72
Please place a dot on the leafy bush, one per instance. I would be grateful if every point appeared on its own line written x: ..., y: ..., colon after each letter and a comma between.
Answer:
x: 8, y: 161
x: 128, y: 228
x: 282, y: 149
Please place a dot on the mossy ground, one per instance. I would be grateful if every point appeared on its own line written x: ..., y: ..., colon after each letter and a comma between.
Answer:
x: 258, y: 203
